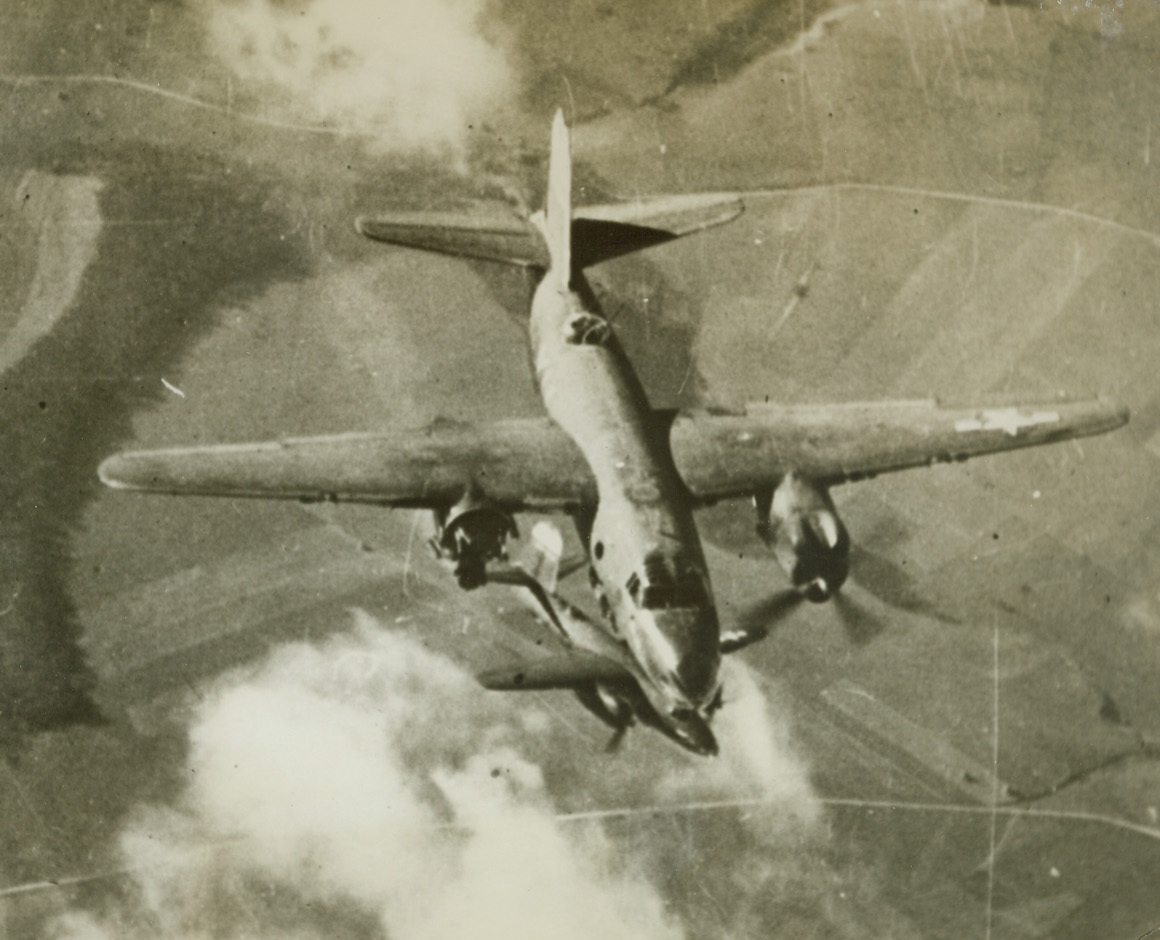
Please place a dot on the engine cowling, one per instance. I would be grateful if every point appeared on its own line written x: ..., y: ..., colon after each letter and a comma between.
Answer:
x: 799, y: 522
x: 471, y: 534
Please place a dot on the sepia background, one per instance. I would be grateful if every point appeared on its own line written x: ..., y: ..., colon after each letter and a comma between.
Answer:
x: 234, y: 719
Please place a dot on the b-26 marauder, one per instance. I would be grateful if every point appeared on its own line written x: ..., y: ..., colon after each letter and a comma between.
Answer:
x: 630, y: 476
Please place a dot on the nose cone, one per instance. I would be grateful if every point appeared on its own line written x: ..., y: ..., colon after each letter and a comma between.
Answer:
x: 692, y: 731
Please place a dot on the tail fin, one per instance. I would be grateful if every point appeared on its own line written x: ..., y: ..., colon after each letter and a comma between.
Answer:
x: 558, y: 201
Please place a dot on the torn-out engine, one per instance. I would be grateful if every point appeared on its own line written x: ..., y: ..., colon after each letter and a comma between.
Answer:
x: 471, y: 534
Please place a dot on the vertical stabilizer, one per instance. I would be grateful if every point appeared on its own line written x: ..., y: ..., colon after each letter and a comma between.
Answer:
x: 558, y: 202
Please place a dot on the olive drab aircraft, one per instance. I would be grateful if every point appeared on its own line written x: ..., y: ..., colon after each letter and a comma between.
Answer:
x: 631, y: 477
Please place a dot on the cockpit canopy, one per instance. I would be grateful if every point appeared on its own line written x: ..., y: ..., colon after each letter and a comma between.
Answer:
x: 666, y: 582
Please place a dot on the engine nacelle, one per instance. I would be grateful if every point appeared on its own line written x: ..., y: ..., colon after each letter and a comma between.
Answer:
x: 799, y: 522
x: 471, y: 534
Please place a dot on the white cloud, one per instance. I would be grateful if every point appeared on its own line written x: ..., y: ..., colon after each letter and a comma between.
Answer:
x: 412, y: 73
x: 368, y: 774
x: 368, y: 786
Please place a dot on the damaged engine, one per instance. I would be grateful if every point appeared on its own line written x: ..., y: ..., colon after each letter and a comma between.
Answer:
x: 799, y: 522
x: 471, y: 534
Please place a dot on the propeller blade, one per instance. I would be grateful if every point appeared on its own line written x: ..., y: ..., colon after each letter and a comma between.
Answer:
x: 893, y: 586
x: 860, y: 625
x: 617, y: 740
x: 767, y: 613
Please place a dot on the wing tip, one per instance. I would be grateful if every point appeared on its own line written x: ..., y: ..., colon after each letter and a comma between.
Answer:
x: 111, y: 472
x: 501, y: 680
x: 1098, y: 414
x: 1118, y: 412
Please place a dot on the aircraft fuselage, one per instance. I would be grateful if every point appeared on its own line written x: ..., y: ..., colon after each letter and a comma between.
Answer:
x: 648, y: 565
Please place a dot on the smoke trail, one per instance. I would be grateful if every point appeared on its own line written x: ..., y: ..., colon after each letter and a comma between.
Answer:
x: 412, y: 73
x: 757, y: 756
x: 367, y: 779
x: 367, y: 787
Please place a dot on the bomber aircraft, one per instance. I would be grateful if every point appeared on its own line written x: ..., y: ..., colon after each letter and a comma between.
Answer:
x: 631, y: 477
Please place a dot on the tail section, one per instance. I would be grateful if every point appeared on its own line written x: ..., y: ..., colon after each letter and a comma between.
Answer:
x: 558, y: 201
x: 496, y: 236
x: 545, y: 241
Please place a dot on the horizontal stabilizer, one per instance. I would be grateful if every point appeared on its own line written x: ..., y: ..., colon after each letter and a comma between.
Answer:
x: 489, y: 237
x: 603, y: 232
x: 563, y: 671
x: 598, y: 232
x: 677, y: 215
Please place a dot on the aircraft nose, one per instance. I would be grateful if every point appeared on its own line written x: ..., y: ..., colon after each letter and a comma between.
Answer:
x: 694, y: 732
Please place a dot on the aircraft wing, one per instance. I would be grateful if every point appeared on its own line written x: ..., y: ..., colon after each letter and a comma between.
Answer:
x: 520, y: 464
x: 562, y: 671
x: 720, y: 456
x: 530, y: 464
